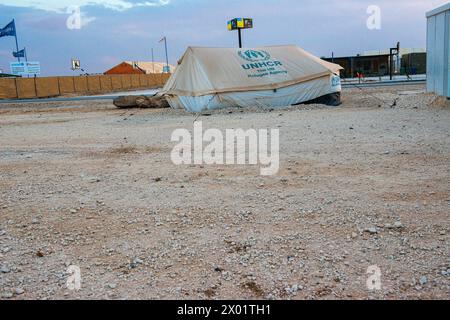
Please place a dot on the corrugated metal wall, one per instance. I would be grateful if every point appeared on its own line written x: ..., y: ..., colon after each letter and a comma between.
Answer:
x: 438, y: 49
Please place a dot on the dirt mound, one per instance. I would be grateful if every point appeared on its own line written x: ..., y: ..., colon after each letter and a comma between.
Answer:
x: 440, y: 102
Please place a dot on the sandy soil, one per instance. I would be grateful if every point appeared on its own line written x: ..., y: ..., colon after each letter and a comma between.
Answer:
x: 367, y: 183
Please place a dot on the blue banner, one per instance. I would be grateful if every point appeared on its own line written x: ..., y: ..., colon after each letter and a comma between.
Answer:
x: 9, y: 30
x: 19, y: 54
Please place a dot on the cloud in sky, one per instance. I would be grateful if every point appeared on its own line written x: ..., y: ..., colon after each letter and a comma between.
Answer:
x: 60, y: 6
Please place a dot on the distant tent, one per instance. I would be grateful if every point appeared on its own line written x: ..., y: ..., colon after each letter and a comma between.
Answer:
x: 213, y: 78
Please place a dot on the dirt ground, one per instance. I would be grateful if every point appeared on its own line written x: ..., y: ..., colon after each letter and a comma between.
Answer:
x: 364, y: 184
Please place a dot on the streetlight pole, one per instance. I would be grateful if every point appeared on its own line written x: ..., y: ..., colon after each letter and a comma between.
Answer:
x: 153, y: 61
x: 167, y: 55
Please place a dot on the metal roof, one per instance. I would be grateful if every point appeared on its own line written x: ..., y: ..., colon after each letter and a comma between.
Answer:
x: 149, y: 67
x: 438, y: 10
x: 361, y: 57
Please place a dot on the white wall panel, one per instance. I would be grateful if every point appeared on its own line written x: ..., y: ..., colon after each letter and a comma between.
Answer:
x: 438, y: 51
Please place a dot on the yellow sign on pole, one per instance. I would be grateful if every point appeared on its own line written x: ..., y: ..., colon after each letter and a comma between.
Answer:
x: 240, y: 23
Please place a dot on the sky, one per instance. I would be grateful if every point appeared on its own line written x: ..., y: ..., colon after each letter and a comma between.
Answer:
x: 112, y: 31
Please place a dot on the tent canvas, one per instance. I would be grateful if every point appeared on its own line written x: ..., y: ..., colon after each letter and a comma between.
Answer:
x: 210, y: 78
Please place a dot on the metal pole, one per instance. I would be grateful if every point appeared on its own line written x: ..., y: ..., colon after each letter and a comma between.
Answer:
x: 153, y: 61
x: 17, y: 43
x: 240, y: 38
x: 26, y: 57
x: 167, y: 55
x: 391, y: 62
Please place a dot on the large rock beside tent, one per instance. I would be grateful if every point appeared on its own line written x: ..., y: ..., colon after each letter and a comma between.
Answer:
x: 267, y: 77
x: 141, y: 102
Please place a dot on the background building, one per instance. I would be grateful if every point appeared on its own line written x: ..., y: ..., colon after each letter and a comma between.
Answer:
x: 369, y: 66
x: 139, y: 67
x: 376, y: 63
x: 438, y: 48
x: 414, y: 63
x: 411, y: 60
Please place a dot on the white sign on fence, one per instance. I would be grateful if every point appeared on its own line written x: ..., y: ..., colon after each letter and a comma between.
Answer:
x: 29, y: 68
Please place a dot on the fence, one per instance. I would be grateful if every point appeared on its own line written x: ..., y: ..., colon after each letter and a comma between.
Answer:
x: 29, y: 88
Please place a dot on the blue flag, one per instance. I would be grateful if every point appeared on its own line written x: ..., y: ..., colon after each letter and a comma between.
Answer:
x: 9, y: 30
x: 19, y: 54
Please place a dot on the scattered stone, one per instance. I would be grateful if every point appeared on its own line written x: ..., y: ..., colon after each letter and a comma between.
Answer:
x: 136, y: 262
x: 227, y: 276
x: 270, y: 297
x: 371, y: 230
x: 398, y: 225
x: 19, y: 291
x: 5, y: 269
x: 7, y: 295
x: 294, y: 289
x: 423, y: 280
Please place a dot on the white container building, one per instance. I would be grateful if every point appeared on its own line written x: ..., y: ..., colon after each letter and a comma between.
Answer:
x: 438, y: 51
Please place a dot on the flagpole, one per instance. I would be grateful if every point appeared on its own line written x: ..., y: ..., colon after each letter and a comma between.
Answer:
x: 17, y: 42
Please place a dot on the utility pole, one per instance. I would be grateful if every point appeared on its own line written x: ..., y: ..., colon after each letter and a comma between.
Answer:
x: 153, y: 61
x: 391, y: 59
x: 167, y: 55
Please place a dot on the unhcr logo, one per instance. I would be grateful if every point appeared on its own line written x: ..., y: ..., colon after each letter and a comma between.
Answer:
x: 254, y: 55
x: 259, y: 59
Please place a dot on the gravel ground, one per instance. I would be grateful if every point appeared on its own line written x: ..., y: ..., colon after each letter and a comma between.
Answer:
x: 364, y: 184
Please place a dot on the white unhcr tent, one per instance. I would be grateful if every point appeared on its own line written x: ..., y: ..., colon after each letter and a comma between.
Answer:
x: 278, y: 76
